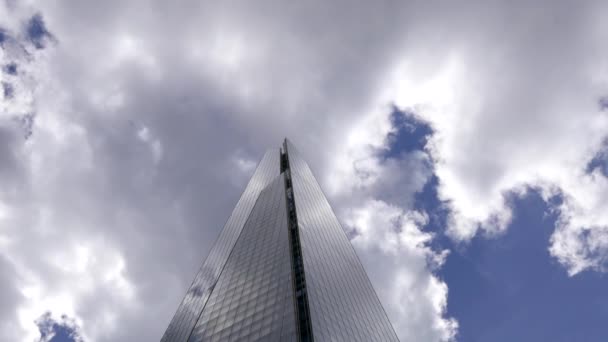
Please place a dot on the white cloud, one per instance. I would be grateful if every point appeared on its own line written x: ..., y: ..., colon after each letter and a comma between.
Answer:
x: 141, y: 109
x: 79, y: 274
x: 521, y: 113
x: 388, y: 236
x: 137, y: 124
x: 580, y: 240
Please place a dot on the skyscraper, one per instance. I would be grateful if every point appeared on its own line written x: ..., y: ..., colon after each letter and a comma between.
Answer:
x: 282, y: 269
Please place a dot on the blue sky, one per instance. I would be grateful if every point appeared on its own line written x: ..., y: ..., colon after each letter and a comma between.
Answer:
x: 463, y: 147
x: 508, y: 287
x: 52, y: 331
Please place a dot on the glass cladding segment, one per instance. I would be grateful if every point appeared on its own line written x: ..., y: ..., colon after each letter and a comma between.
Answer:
x: 343, y: 304
x: 303, y: 324
x: 253, y: 298
x: 191, y: 306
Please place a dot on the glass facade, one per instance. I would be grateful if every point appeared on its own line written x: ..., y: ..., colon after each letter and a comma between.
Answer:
x: 253, y: 298
x: 343, y: 304
x: 282, y: 269
x: 190, y: 308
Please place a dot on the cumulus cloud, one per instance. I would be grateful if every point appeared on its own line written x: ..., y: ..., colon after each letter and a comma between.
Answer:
x: 518, y: 104
x: 374, y: 196
x: 388, y: 236
x: 144, y: 123
x: 133, y: 128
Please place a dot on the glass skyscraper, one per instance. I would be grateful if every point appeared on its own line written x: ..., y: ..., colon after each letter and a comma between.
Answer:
x: 282, y: 269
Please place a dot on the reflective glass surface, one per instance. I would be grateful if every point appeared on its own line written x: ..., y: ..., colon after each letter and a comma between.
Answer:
x: 191, y: 306
x: 253, y: 298
x: 244, y: 290
x: 343, y: 304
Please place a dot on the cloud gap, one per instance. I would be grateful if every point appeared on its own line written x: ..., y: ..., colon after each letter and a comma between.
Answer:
x: 603, y: 103
x: 408, y: 134
x: 8, y: 90
x: 600, y: 159
x: 37, y: 32
x: 10, y: 68
x: 3, y: 36
x: 63, y: 330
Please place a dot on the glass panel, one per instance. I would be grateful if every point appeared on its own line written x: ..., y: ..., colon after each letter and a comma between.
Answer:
x: 342, y: 301
x: 253, y: 298
x: 189, y: 310
x: 245, y: 285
